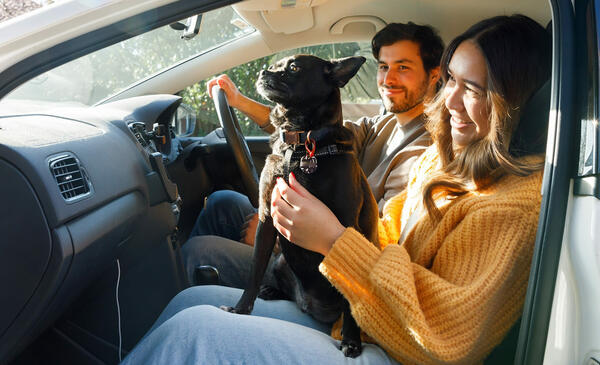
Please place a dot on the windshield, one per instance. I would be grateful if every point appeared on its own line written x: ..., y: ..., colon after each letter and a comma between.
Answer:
x: 98, y: 75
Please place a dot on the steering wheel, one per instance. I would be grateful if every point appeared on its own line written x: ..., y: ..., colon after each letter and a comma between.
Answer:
x: 237, y: 143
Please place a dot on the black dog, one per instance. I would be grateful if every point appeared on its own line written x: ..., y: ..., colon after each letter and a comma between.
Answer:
x: 311, y: 142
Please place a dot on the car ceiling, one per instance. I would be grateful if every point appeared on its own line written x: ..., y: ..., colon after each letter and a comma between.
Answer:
x: 449, y: 17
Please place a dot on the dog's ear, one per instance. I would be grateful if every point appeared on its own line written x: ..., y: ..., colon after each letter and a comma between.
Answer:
x: 343, y: 69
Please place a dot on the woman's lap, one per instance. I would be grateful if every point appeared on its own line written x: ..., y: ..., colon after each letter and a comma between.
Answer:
x: 207, y: 335
x: 192, y: 330
x: 216, y: 296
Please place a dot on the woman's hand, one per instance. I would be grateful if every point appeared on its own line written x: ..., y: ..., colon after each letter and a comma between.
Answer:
x: 302, y: 218
x: 234, y: 96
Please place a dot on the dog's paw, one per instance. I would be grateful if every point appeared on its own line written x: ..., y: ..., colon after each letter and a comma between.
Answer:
x: 270, y: 293
x: 234, y: 310
x: 351, y: 348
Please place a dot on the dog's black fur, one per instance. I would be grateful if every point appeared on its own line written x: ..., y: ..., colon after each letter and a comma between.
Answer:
x: 307, y: 96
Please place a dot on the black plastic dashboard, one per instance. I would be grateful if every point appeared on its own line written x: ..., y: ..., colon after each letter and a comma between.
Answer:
x: 74, y: 184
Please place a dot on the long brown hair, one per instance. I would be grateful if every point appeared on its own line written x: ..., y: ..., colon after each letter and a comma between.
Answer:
x: 517, y: 51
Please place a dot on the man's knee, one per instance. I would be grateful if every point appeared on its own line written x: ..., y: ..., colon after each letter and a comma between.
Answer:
x: 223, y: 215
x: 225, y: 199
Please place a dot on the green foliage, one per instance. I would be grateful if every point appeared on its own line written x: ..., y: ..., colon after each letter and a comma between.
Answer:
x: 244, y: 76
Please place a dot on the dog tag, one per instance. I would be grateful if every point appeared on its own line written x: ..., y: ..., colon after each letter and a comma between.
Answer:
x: 308, y: 164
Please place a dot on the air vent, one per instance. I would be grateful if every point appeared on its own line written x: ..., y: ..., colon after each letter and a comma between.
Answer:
x: 70, y: 177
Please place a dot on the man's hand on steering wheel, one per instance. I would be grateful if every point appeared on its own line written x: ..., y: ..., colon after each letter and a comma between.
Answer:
x: 223, y: 81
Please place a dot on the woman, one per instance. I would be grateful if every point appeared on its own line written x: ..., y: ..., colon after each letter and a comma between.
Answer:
x: 466, y: 223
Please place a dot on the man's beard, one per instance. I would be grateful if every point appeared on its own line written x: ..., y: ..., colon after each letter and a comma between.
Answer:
x: 413, y: 98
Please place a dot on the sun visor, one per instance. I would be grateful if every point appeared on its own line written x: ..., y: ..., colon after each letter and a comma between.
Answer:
x: 261, y: 5
x: 282, y: 16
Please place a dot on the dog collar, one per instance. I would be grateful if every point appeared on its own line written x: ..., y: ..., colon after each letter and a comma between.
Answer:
x: 331, y: 149
x: 308, y: 155
x: 293, y: 137
x: 308, y: 160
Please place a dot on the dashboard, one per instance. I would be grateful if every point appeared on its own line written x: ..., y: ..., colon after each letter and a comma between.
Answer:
x: 77, y: 184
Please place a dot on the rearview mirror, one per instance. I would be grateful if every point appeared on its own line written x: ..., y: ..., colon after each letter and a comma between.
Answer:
x: 190, y: 28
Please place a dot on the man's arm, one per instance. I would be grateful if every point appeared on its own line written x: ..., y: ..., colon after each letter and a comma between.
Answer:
x: 360, y: 128
x: 257, y: 112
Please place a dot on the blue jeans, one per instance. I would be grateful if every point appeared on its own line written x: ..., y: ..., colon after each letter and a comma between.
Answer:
x: 223, y: 215
x: 232, y: 260
x: 215, y: 239
x: 191, y: 330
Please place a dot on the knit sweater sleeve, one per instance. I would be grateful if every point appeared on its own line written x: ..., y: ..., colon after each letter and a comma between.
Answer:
x: 453, y: 309
x: 389, y: 225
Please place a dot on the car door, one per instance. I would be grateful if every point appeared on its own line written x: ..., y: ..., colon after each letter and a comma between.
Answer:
x: 561, y: 321
x: 574, y: 329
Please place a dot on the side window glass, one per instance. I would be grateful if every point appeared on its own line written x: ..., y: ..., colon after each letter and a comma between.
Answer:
x: 590, y: 138
x: 359, y: 96
x: 97, y: 76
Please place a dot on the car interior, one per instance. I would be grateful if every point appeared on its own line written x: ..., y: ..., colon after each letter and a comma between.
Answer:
x: 100, y: 196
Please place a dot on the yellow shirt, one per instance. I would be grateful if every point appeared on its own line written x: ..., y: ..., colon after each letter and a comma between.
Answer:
x: 452, y: 289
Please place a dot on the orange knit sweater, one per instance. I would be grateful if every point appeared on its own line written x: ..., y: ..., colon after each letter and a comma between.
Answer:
x: 452, y: 290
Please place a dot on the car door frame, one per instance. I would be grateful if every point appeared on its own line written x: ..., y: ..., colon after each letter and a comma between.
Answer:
x: 574, y: 334
x: 555, y: 189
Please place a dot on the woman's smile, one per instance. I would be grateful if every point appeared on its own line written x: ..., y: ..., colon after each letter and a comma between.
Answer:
x: 457, y: 123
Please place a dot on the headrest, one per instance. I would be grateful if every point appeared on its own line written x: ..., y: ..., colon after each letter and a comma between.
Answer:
x: 532, y: 131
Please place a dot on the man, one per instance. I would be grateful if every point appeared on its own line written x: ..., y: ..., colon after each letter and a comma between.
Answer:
x: 408, y: 57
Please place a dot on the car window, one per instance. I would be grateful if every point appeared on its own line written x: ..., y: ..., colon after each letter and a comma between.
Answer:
x: 359, y: 96
x: 98, y: 75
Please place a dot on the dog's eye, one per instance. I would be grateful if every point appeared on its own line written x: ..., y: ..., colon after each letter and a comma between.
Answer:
x: 293, y: 68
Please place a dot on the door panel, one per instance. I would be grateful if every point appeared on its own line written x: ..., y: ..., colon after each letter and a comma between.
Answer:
x: 574, y: 330
x: 575, y: 323
x: 558, y: 171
